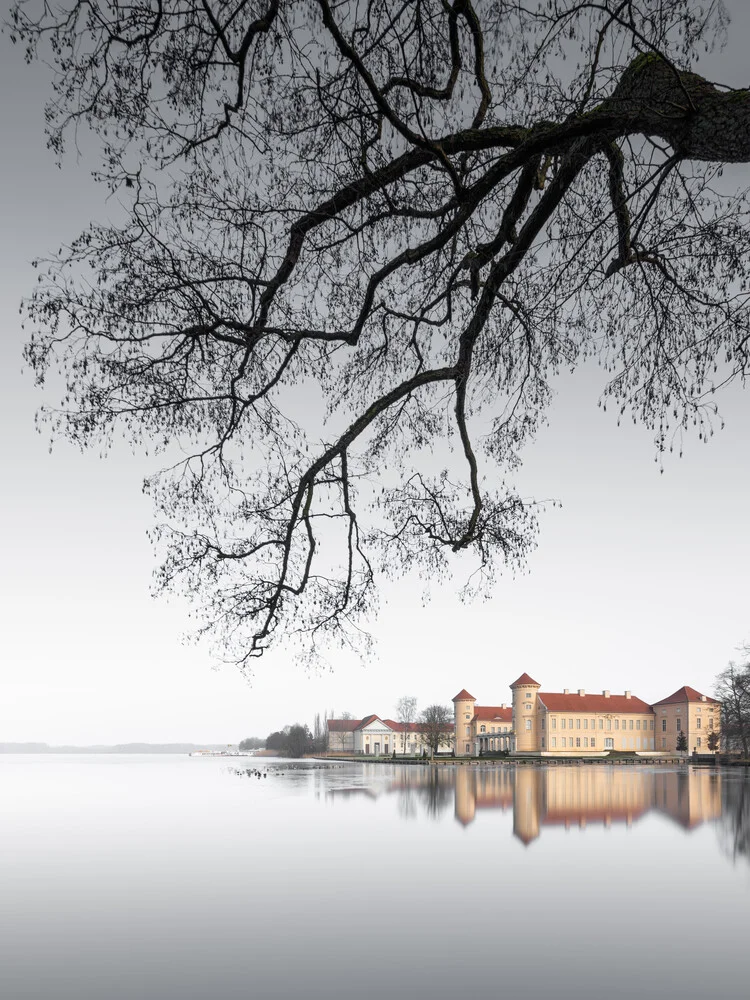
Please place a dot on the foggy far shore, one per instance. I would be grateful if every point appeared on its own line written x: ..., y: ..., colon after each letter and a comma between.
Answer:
x: 115, y: 748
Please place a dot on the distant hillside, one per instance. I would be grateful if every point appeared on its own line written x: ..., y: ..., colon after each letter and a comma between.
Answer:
x: 116, y: 748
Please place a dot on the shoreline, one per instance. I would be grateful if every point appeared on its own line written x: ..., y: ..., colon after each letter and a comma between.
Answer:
x: 624, y: 761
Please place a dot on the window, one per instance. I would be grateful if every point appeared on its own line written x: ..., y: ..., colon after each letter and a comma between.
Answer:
x: 553, y: 723
x: 601, y: 723
x: 698, y: 741
x: 528, y: 725
x: 652, y: 723
x: 585, y: 723
x: 553, y: 742
x: 482, y: 729
x: 664, y: 743
x: 543, y: 721
x: 468, y: 731
x: 637, y: 723
x: 679, y: 725
x: 527, y: 707
x: 697, y: 710
x: 664, y: 725
x: 609, y: 723
x: 617, y: 724
x: 631, y: 724
x: 609, y: 743
x: 562, y: 723
x: 578, y: 741
x: 593, y: 741
x: 543, y: 742
x: 711, y: 723
x: 698, y: 723
x: 585, y: 741
x: 564, y: 742
x: 467, y: 716
x: 578, y: 723
x: 468, y: 748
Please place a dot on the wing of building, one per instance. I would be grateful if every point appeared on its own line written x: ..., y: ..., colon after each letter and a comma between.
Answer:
x: 373, y: 736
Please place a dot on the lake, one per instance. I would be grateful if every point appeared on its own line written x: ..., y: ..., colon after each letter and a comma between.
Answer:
x: 160, y: 877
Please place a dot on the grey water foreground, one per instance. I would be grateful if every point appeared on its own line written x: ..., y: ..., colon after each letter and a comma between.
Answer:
x: 162, y: 876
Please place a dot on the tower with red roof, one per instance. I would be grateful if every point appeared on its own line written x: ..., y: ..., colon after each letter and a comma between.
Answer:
x: 463, y: 713
x: 525, y: 705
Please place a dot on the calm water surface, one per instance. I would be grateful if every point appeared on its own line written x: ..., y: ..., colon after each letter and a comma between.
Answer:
x: 162, y: 877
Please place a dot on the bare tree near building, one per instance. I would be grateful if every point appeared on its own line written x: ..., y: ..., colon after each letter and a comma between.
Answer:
x: 732, y: 688
x: 342, y: 739
x: 406, y: 714
x: 435, y: 727
x: 414, y: 216
x: 320, y: 734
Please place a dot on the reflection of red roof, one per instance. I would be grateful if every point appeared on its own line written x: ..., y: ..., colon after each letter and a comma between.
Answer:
x: 343, y: 725
x: 685, y: 694
x: 616, y: 704
x: 487, y: 713
x: 463, y: 695
x: 524, y: 679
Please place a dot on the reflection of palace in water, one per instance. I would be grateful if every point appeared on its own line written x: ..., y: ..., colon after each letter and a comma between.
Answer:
x: 576, y: 796
x: 579, y: 796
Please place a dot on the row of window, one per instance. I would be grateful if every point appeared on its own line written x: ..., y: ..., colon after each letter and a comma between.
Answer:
x: 603, y: 723
x: 589, y: 743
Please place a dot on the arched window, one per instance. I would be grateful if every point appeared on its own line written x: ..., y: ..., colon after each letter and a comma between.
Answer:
x: 483, y: 729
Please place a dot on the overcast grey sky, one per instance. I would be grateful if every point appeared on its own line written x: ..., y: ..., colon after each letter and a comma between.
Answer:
x: 640, y: 581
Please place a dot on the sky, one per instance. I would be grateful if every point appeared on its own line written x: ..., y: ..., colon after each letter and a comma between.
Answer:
x: 640, y: 579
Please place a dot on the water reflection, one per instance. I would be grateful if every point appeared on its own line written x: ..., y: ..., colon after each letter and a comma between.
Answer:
x: 564, y: 796
x: 734, y: 827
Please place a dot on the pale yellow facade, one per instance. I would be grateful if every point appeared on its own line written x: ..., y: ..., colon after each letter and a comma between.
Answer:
x: 575, y: 723
x: 696, y: 719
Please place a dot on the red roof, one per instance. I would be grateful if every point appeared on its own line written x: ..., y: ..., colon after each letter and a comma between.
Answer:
x: 343, y: 725
x: 486, y: 713
x: 367, y: 720
x: 524, y: 679
x: 463, y: 695
x: 617, y: 704
x: 685, y: 694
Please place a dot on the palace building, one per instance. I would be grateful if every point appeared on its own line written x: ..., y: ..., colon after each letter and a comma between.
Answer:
x: 543, y: 723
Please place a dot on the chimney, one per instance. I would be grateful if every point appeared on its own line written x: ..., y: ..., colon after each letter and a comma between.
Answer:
x: 703, y: 697
x: 606, y: 694
x: 581, y: 692
x: 566, y: 690
x: 503, y: 705
x: 627, y: 694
